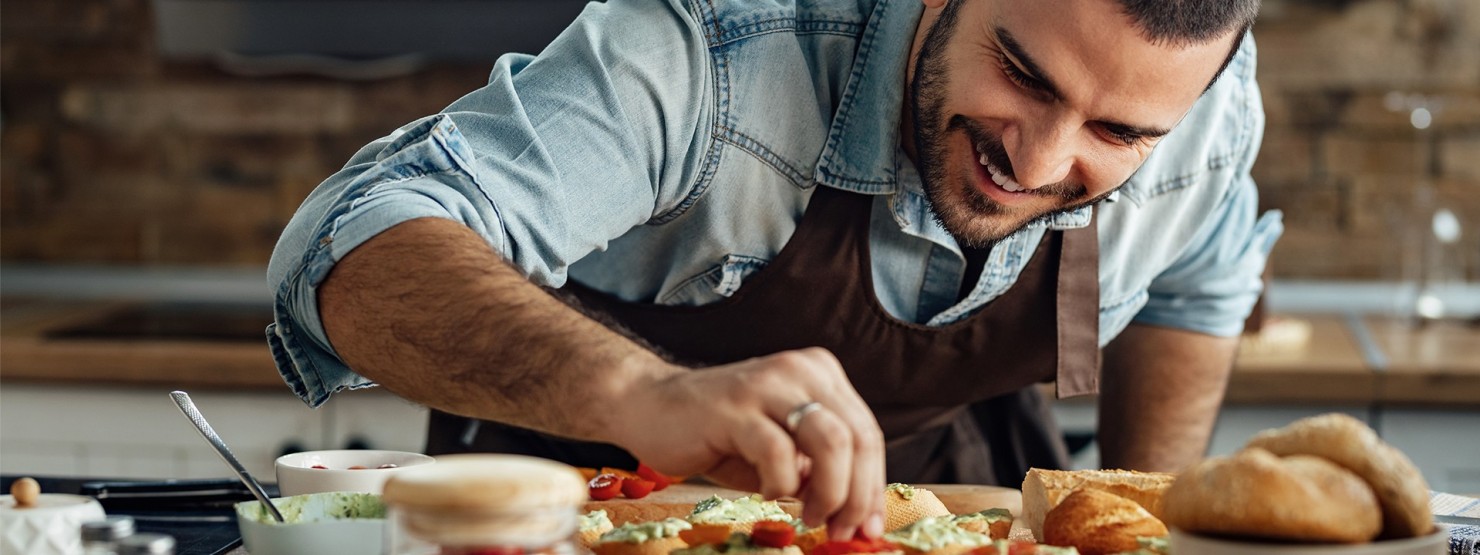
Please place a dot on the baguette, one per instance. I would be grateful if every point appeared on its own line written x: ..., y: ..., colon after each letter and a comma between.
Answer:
x: 995, y: 523
x: 1044, y: 489
x: 647, y: 538
x: 1100, y: 523
x: 593, y: 525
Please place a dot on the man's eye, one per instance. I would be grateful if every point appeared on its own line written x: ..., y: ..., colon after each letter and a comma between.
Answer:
x: 1124, y: 137
x: 1017, y: 76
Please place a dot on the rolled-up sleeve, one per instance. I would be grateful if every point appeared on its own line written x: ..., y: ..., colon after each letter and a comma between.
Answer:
x: 554, y: 157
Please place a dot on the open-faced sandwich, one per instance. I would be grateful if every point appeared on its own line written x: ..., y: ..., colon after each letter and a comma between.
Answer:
x: 739, y: 515
x: 937, y: 535
x: 767, y: 537
x: 904, y: 504
x: 593, y: 525
x: 995, y: 523
x: 642, y: 538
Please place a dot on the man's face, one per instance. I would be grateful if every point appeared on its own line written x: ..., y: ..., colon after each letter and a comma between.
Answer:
x: 1024, y: 108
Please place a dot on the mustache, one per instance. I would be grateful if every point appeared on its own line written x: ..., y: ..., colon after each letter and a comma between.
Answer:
x: 996, y: 153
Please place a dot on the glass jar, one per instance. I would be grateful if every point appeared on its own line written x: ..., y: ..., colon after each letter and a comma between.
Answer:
x: 485, y: 505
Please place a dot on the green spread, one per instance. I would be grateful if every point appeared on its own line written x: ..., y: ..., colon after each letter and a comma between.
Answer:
x: 595, y: 520
x: 905, y: 491
x: 639, y: 532
x: 989, y: 516
x: 738, y: 542
x: 717, y: 510
x: 1153, y: 545
x: 316, y: 507
x: 936, y: 532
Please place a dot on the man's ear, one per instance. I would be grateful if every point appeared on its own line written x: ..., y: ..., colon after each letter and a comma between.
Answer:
x: 934, y: 4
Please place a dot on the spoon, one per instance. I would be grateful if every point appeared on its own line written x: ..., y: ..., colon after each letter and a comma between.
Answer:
x: 187, y: 406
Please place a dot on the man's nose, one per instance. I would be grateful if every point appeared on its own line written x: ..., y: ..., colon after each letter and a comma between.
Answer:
x: 1044, y: 155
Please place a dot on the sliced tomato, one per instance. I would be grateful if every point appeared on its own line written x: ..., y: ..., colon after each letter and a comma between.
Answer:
x: 705, y: 534
x: 647, y: 473
x: 636, y: 488
x: 771, y: 533
x: 605, y: 486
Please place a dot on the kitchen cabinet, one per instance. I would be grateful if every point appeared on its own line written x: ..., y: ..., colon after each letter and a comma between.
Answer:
x: 78, y: 430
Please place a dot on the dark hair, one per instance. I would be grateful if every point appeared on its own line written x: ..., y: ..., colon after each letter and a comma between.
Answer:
x: 1185, y: 22
x: 1182, y: 22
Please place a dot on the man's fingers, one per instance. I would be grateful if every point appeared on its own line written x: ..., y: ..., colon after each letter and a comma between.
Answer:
x: 824, y: 439
x: 770, y: 450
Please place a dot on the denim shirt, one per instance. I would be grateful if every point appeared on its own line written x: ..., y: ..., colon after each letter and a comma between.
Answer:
x: 664, y: 150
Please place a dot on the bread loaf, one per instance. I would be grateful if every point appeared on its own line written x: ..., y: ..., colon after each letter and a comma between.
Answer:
x: 1257, y: 494
x: 1099, y: 523
x: 1346, y: 441
x: 1044, y: 489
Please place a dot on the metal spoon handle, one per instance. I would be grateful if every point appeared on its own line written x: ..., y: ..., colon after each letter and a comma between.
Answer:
x: 187, y: 406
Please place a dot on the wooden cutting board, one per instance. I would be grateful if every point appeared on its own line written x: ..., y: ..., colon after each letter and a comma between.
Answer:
x: 678, y: 501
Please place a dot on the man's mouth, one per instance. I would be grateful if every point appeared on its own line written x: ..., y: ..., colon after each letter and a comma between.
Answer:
x: 999, y: 177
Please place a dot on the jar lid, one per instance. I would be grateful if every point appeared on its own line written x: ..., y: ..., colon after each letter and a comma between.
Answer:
x: 487, y: 483
x: 109, y: 529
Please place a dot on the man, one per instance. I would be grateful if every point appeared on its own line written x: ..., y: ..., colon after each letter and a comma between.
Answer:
x: 876, y: 224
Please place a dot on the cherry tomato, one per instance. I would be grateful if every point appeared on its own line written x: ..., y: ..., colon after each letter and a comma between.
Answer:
x: 771, y: 533
x: 636, y: 488
x: 647, y: 473
x: 605, y: 486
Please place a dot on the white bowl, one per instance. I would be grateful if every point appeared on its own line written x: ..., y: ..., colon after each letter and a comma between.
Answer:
x: 311, y: 531
x: 1436, y: 543
x: 296, y: 475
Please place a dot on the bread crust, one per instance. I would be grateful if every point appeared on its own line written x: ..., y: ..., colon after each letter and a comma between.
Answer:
x: 997, y: 530
x: 589, y: 536
x: 1400, y: 488
x: 1257, y: 494
x: 900, y: 512
x: 1045, y: 489
x: 1098, y: 523
x: 660, y: 546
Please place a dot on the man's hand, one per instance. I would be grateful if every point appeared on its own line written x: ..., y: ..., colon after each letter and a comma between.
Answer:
x: 727, y: 422
x: 427, y: 310
x: 1160, y: 396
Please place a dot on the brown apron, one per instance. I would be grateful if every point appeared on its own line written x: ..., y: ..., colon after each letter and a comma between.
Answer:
x: 955, y: 402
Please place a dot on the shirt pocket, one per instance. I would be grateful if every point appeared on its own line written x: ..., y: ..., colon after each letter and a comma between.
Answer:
x: 718, y: 282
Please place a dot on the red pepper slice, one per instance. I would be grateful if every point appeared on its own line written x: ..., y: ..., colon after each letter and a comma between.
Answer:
x: 647, y: 473
x: 637, y: 488
x: 858, y: 544
x: 605, y: 486
x: 771, y: 533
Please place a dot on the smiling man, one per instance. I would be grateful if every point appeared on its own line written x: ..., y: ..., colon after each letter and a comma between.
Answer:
x: 875, y: 225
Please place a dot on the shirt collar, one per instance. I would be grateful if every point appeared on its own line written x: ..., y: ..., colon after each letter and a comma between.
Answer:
x: 859, y: 153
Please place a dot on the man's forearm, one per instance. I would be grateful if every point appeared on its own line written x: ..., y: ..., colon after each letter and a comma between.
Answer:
x: 1160, y: 396
x: 429, y: 311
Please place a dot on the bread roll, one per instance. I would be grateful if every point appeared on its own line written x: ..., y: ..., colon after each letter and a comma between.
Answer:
x: 904, y: 505
x: 1099, y: 523
x: 1346, y: 441
x: 1256, y: 494
x: 660, y: 546
x: 1044, y: 489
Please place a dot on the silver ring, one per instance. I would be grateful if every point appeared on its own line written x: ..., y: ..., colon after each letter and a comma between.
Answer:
x: 794, y: 418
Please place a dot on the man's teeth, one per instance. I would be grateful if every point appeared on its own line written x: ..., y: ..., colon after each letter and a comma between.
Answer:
x: 1003, y: 181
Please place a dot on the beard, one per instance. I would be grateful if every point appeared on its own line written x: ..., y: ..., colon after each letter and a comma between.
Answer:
x: 973, y: 218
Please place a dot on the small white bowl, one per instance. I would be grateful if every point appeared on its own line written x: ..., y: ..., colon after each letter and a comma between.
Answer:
x: 296, y: 475
x: 309, y: 531
x: 1436, y: 543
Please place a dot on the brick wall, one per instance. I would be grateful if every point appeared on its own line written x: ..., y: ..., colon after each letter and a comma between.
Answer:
x: 111, y: 155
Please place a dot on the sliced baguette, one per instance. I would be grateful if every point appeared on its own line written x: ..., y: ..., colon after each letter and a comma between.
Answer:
x: 1044, y: 489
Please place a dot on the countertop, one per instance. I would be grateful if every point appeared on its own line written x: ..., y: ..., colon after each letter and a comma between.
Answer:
x: 1332, y: 359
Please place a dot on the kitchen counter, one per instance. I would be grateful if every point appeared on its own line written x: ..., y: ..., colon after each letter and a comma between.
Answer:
x: 1328, y: 359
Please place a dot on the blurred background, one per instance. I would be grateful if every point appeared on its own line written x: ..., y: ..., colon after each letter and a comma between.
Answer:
x: 151, y: 152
